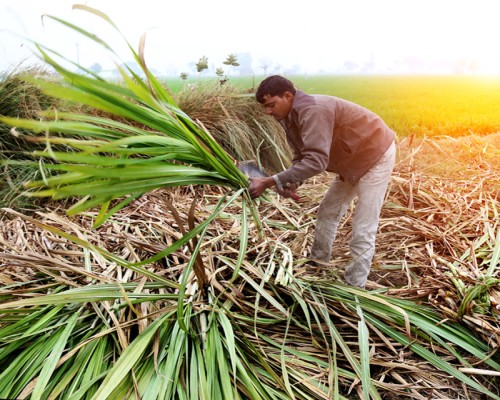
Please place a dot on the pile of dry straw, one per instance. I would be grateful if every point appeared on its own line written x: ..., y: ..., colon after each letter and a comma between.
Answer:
x: 437, y: 242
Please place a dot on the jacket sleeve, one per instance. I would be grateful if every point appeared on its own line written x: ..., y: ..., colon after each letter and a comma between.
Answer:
x: 315, y: 127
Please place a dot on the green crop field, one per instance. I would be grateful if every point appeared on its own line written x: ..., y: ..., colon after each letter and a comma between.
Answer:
x: 419, y: 105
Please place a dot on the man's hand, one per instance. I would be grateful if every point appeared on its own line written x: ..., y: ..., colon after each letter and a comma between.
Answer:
x: 289, y: 194
x: 258, y: 185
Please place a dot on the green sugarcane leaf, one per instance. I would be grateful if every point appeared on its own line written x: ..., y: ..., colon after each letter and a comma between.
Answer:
x: 242, y: 250
x: 174, y: 359
x: 104, y: 216
x: 139, y: 172
x: 94, y: 293
x: 95, y: 11
x: 81, y: 31
x: 435, y: 360
x: 113, y: 189
x: 49, y: 365
x: 229, y: 341
x: 355, y: 364
x: 140, y: 90
x: 79, y: 122
x: 364, y: 351
x: 222, y: 387
x: 428, y: 321
x: 128, y: 359
x: 494, y: 266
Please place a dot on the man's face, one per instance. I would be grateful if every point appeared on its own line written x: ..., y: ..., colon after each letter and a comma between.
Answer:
x: 278, y: 107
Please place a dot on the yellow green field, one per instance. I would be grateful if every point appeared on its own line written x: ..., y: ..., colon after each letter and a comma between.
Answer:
x: 421, y: 105
x: 412, y: 105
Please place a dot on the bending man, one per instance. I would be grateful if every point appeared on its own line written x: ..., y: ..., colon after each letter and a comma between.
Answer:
x: 327, y: 133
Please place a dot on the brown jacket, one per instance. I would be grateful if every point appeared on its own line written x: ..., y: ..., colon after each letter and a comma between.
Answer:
x: 332, y: 134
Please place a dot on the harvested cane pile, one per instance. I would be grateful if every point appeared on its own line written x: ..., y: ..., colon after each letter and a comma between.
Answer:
x: 437, y: 245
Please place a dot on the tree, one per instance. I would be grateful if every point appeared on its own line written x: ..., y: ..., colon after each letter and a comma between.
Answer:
x: 265, y: 63
x: 220, y: 72
x: 202, y: 64
x: 232, y: 61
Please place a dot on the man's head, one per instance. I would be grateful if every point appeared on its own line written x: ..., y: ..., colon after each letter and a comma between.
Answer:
x: 276, y: 94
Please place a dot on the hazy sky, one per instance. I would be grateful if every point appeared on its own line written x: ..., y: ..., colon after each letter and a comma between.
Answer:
x: 387, y: 35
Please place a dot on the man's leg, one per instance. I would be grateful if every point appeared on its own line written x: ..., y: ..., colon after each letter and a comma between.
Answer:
x: 333, y: 206
x: 371, y: 190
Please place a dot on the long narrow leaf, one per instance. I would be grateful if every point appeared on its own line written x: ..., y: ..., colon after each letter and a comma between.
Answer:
x: 364, y: 352
x: 51, y: 361
x: 127, y: 361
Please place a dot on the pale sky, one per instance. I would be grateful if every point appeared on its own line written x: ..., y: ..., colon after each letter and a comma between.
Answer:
x: 387, y: 36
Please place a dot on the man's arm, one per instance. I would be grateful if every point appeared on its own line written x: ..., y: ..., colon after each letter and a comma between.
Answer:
x: 315, y: 125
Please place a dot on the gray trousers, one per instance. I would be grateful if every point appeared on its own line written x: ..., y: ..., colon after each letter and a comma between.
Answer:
x: 371, y: 190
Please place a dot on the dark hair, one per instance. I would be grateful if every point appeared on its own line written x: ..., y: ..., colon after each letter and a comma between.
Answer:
x: 274, y: 85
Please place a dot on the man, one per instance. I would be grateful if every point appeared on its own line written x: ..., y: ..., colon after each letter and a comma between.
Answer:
x: 327, y: 133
